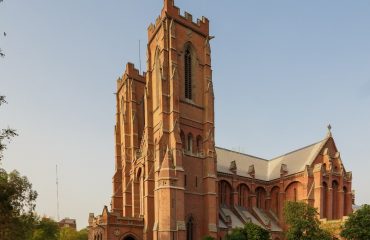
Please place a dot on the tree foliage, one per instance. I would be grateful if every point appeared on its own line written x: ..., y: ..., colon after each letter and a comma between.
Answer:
x: 249, y: 232
x: 358, y: 225
x: 5, y: 134
x: 17, y: 199
x: 303, y: 222
x: 17, y: 203
x: 46, y: 229
x: 67, y: 233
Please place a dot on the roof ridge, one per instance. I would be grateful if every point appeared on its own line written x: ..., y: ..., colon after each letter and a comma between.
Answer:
x: 244, y: 154
x: 299, y: 149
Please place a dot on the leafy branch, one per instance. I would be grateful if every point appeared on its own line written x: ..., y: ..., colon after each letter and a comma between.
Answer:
x: 5, y: 134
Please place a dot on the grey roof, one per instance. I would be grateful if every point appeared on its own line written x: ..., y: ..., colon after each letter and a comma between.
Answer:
x: 235, y: 221
x: 267, y: 170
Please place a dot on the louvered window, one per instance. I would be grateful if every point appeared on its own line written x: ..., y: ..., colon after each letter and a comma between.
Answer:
x: 188, y: 83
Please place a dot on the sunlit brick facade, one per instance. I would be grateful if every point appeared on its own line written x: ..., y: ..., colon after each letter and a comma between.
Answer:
x: 170, y: 180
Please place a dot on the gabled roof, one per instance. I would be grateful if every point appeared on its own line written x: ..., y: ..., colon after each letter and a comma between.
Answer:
x: 243, y: 161
x: 267, y: 170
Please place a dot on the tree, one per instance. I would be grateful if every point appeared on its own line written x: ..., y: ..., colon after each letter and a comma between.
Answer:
x: 249, y: 232
x: 255, y: 232
x: 46, y: 229
x: 68, y: 233
x: 358, y: 225
x: 5, y: 134
x: 17, y: 203
x: 237, y: 234
x: 303, y: 222
x: 17, y: 199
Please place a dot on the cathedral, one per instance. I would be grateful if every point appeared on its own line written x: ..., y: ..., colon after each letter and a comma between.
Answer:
x: 171, y: 182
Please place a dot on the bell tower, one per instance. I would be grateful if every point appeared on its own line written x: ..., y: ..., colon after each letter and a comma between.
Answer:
x: 180, y: 122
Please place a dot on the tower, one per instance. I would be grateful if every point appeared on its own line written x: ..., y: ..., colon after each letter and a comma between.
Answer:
x: 180, y: 117
x: 165, y: 178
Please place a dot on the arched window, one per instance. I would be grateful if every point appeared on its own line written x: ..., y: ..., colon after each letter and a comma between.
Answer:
x: 199, y: 144
x: 324, y: 200
x: 243, y: 194
x: 129, y: 238
x: 335, y: 200
x: 158, y: 78
x: 294, y: 192
x: 182, y: 136
x: 140, y: 178
x: 275, y: 200
x: 225, y: 197
x: 188, y: 75
x: 190, y: 229
x: 190, y: 143
x: 261, y: 197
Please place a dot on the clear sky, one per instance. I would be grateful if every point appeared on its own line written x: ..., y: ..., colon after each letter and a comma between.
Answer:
x: 283, y: 70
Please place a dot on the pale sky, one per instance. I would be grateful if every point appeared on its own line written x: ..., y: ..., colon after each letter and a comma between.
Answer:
x: 282, y: 71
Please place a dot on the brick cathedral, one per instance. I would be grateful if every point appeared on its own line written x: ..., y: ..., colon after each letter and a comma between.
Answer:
x: 171, y: 182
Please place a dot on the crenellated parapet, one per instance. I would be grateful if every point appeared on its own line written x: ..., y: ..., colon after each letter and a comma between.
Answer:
x: 169, y: 10
x: 131, y: 72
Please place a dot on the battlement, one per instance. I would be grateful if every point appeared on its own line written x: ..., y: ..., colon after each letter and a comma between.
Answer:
x: 171, y: 11
x: 130, y: 72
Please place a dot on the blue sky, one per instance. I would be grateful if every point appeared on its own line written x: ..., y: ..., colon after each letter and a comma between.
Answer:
x: 282, y: 71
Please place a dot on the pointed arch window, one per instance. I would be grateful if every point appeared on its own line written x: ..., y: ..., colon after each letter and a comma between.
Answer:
x: 190, y: 143
x: 188, y: 75
x: 190, y: 229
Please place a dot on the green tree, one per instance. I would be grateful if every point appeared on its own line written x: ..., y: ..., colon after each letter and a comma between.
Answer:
x: 357, y: 227
x: 17, y: 203
x: 249, y: 232
x: 237, y: 234
x: 255, y: 232
x: 303, y: 222
x: 46, y: 229
x: 67, y: 233
x: 6, y: 134
x: 17, y: 199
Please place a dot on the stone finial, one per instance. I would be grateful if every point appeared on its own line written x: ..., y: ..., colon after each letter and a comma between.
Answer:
x: 91, y: 218
x: 251, y: 171
x: 233, y: 168
x: 329, y: 131
x: 283, y: 169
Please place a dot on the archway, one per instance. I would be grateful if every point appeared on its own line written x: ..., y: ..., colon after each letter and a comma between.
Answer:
x: 275, y: 200
x: 294, y: 192
x: 324, y: 210
x: 335, y: 199
x: 225, y: 193
x: 345, y: 201
x: 129, y: 238
x: 243, y: 195
x: 261, y: 197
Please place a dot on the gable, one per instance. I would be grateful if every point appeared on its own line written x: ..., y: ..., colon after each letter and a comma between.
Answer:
x: 293, y: 162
